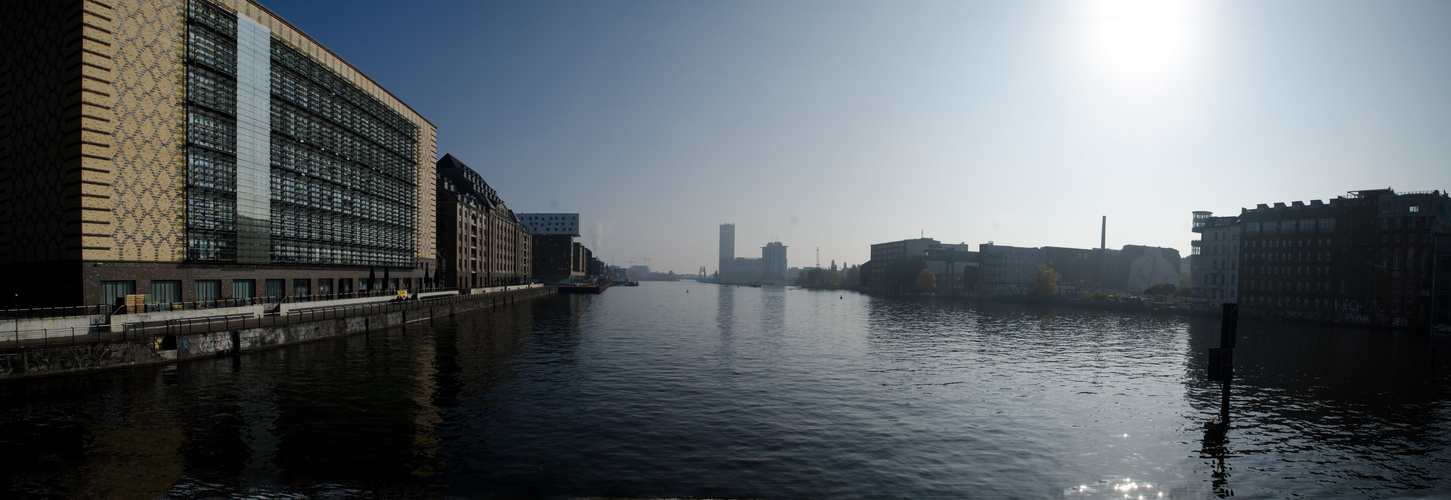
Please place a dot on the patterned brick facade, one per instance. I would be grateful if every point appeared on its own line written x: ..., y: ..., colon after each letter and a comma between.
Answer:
x: 93, y: 151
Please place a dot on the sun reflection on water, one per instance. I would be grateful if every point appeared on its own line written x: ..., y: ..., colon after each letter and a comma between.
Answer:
x: 1128, y: 487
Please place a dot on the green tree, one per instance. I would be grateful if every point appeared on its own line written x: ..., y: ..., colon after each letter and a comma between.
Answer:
x: 926, y: 280
x: 1183, y: 291
x: 1047, y: 281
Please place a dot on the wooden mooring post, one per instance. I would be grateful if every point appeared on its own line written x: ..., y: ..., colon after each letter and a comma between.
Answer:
x: 1221, y: 359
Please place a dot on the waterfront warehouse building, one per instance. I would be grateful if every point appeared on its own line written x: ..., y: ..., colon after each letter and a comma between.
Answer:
x: 481, y: 242
x: 874, y: 272
x: 557, y: 257
x: 1373, y: 257
x: 552, y: 223
x: 193, y: 150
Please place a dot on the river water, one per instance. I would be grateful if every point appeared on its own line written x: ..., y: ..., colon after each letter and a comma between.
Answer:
x: 686, y: 389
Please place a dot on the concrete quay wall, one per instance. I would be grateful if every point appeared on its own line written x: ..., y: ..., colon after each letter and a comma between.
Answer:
x: 166, y: 348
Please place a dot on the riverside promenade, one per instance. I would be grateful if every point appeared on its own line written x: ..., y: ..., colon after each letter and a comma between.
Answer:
x: 32, y: 347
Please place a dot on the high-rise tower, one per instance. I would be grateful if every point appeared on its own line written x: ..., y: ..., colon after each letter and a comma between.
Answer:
x: 727, y: 248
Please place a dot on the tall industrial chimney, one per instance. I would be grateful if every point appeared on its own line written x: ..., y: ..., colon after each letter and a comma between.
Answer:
x: 1103, y: 235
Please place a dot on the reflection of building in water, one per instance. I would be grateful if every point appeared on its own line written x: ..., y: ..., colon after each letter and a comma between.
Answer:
x: 142, y: 459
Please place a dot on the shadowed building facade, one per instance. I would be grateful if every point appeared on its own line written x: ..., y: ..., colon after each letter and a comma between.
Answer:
x: 480, y: 241
x: 1374, y: 257
x: 199, y: 150
x: 557, y: 257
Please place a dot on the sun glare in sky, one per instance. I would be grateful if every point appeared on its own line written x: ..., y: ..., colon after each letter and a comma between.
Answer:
x: 1140, y: 45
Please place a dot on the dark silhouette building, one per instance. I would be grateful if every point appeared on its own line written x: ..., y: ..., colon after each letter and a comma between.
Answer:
x: 1369, y: 257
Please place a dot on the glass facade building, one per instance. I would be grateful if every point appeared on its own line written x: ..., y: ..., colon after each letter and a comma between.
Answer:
x: 287, y: 161
x: 200, y: 151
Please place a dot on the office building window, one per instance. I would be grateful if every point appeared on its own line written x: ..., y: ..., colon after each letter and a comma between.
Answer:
x: 208, y: 291
x: 244, y: 289
x: 166, y: 291
x: 113, y: 293
x: 275, y: 289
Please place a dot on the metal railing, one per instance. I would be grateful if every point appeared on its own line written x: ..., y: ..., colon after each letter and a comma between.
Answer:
x: 53, y: 312
x: 19, y: 340
x: 107, y: 309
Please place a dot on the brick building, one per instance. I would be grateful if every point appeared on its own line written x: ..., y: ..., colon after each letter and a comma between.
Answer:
x: 480, y: 241
x: 1370, y: 257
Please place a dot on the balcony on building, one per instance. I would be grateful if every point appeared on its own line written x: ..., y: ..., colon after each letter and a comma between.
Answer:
x: 1201, y: 220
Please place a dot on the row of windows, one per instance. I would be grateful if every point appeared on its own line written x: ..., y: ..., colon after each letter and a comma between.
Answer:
x: 1221, y: 235
x: 301, y: 126
x: 1302, y: 226
x: 211, y: 170
x: 170, y: 291
x: 388, y: 228
x: 1392, y: 258
x: 298, y: 159
x: 1287, y: 256
x: 211, y: 211
x: 322, y: 103
x: 1406, y: 222
x: 1289, y: 270
x: 325, y: 227
x: 1288, y: 286
x: 1218, y: 279
x: 1289, y: 242
x: 211, y: 245
x: 311, y: 252
x: 1216, y: 249
x: 213, y: 50
x: 210, y: 90
x: 1295, y: 302
x: 211, y: 130
x: 212, y: 16
x: 288, y: 57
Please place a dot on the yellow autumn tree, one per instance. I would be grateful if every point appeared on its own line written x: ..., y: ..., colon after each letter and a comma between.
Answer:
x: 1047, y: 283
x: 927, y: 280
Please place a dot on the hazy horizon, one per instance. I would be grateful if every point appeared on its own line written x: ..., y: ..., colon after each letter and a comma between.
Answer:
x: 841, y: 124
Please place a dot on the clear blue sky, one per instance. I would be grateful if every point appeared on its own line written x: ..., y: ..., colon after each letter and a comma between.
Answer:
x: 839, y: 124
